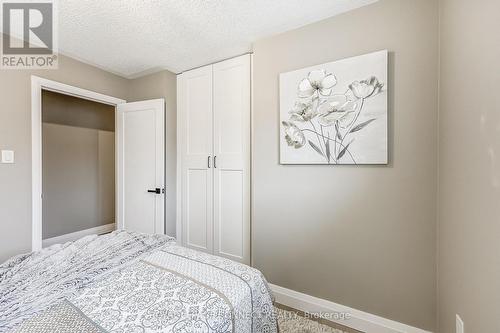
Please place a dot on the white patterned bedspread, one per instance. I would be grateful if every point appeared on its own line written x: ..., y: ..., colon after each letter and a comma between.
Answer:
x: 164, y: 288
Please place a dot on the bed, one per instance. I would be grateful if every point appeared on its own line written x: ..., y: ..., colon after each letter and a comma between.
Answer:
x: 131, y: 282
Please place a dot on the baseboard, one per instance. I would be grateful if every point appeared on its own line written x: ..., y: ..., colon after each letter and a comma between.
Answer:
x: 78, y: 234
x: 356, y: 319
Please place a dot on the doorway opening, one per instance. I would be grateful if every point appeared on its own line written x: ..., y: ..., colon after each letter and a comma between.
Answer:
x: 78, y: 168
x: 63, y: 162
x: 127, y: 169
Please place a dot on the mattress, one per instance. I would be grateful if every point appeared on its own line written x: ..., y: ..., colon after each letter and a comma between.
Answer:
x: 130, y: 282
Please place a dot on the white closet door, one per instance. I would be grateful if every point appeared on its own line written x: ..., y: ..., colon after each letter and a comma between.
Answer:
x: 141, y: 166
x: 231, y: 80
x: 195, y: 126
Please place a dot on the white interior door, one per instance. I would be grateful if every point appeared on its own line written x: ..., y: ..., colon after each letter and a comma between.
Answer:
x: 195, y: 136
x: 141, y: 166
x: 231, y: 85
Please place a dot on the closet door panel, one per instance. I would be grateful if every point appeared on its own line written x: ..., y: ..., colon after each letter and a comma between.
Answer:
x: 197, y: 210
x: 195, y: 112
x: 231, y: 80
x: 229, y: 211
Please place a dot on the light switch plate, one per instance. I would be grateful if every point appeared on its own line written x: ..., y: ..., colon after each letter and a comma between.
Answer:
x: 7, y: 156
x: 460, y: 325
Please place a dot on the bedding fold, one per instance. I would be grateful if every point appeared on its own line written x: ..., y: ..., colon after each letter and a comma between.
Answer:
x: 34, y: 282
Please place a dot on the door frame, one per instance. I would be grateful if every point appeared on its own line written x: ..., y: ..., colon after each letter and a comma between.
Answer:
x: 37, y: 85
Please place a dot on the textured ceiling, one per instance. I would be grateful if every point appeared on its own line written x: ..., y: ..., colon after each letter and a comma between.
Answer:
x: 136, y: 37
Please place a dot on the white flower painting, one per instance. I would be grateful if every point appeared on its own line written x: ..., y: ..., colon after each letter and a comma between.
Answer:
x: 335, y: 113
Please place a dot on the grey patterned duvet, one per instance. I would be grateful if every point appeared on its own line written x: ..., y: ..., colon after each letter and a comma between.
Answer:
x: 60, y: 318
x: 126, y: 282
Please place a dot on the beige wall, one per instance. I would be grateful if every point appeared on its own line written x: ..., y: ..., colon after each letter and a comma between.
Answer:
x: 362, y: 236
x: 78, y: 177
x: 73, y: 111
x: 469, y: 171
x: 163, y: 84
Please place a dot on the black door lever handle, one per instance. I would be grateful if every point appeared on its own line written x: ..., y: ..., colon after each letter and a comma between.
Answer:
x: 156, y: 190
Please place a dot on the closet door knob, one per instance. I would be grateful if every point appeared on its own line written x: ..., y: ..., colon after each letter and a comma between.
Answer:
x: 208, y: 161
x: 215, y: 161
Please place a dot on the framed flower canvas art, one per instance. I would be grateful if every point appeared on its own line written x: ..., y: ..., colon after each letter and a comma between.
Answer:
x: 335, y: 113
